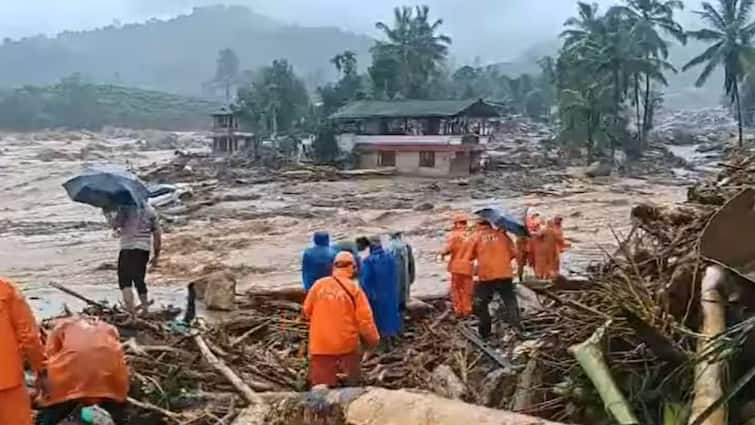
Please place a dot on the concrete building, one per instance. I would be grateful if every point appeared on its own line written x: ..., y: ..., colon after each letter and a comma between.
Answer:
x: 417, y: 137
x: 226, y: 136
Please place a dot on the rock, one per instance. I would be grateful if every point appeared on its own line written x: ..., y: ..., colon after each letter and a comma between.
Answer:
x: 598, y: 169
x: 445, y: 383
x: 425, y: 206
x: 217, y: 290
x: 499, y: 385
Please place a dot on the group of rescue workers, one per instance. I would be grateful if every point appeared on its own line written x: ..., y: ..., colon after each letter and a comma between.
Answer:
x: 353, y: 301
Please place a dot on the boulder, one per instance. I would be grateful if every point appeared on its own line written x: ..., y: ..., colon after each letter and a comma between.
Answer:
x: 598, y: 169
x: 217, y: 290
x: 445, y: 383
x: 425, y: 206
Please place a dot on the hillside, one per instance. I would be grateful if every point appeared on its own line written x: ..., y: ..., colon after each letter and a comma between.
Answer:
x: 175, y: 55
x: 82, y: 105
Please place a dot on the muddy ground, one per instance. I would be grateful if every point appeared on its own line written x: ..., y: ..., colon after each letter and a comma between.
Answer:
x: 256, y: 225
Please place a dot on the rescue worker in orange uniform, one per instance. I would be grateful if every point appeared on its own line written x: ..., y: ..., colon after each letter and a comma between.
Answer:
x: 461, y: 269
x: 494, y: 251
x: 339, y: 317
x: 86, y: 366
x: 561, y: 243
x: 526, y: 245
x: 19, y: 340
x: 546, y: 248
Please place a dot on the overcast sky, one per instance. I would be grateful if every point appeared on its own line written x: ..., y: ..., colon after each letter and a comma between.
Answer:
x: 512, y: 23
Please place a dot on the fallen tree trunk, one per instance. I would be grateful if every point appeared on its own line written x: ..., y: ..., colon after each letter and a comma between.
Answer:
x: 365, y: 406
x: 709, y: 372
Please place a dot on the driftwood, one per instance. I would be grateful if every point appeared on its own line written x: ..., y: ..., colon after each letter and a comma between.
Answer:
x: 709, y: 372
x: 362, y: 406
x: 249, y: 395
x: 75, y: 294
x: 590, y: 357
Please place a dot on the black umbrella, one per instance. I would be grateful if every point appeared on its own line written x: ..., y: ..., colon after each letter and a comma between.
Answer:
x: 107, y: 187
x: 503, y: 220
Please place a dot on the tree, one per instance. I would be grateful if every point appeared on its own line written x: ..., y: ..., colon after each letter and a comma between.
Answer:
x: 730, y: 32
x: 348, y: 88
x: 647, y: 17
x: 413, y: 48
x: 325, y: 146
x: 276, y: 100
x: 227, y: 71
x: 345, y: 63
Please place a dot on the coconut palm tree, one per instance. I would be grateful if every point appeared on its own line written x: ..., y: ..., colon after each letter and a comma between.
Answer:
x: 648, y: 18
x: 730, y: 33
x: 580, y: 29
x: 418, y: 49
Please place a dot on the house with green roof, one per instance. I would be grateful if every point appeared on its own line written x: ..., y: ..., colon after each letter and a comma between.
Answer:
x: 418, y: 137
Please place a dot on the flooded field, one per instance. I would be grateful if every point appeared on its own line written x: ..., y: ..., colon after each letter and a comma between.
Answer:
x: 258, y: 230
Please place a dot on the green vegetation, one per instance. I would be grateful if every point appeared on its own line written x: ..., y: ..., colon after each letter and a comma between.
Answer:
x: 175, y: 55
x: 730, y: 33
x: 75, y: 103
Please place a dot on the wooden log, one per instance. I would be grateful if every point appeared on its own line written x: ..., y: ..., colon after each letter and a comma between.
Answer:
x: 249, y: 395
x: 709, y: 372
x: 365, y: 406
x: 75, y: 294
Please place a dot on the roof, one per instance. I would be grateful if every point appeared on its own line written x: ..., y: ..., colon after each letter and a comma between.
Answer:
x: 415, y: 109
x: 416, y: 147
x: 225, y: 110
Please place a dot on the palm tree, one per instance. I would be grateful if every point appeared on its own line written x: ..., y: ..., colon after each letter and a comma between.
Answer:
x: 414, y: 42
x: 647, y: 18
x: 730, y: 32
x: 345, y: 62
x: 581, y: 28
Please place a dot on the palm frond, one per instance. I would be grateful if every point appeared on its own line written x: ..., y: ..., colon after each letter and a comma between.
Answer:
x: 710, y: 53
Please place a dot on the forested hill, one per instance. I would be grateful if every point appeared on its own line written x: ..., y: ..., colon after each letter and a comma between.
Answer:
x: 176, y: 55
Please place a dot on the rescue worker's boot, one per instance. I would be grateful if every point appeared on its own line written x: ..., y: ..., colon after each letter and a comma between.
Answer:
x: 128, y: 300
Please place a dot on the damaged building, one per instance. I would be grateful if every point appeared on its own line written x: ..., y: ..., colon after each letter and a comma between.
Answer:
x: 434, y: 138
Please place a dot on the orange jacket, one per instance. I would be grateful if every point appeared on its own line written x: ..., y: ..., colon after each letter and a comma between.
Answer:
x: 546, y: 251
x: 494, y: 250
x: 19, y: 337
x: 339, y: 314
x: 456, y: 245
x: 85, y: 361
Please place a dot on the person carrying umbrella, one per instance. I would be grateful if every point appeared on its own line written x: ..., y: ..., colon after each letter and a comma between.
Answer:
x: 140, y: 236
x: 123, y: 198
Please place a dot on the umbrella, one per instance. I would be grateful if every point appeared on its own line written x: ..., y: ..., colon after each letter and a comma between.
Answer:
x: 503, y: 220
x: 107, y: 187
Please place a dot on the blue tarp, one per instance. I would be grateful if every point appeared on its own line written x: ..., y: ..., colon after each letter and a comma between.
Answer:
x: 107, y: 187
x: 503, y: 220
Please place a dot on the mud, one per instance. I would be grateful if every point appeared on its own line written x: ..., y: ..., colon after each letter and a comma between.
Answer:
x: 255, y: 223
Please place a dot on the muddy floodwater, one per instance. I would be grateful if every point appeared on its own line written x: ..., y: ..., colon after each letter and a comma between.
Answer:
x: 258, y: 230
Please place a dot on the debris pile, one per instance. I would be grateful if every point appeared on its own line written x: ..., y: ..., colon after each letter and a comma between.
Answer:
x: 694, y: 126
x: 616, y: 346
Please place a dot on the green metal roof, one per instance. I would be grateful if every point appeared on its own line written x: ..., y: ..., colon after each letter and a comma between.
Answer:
x: 415, y: 109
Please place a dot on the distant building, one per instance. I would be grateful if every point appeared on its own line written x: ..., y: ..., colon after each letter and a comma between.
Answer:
x: 226, y: 136
x: 417, y: 137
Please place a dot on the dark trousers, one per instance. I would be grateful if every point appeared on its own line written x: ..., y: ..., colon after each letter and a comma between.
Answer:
x: 132, y: 269
x: 52, y: 415
x: 484, y: 293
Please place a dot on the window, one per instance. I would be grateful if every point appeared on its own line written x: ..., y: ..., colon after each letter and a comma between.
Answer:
x: 387, y: 159
x: 427, y: 159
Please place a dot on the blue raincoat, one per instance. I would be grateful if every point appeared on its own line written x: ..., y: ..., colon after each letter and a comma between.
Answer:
x: 317, y: 261
x: 379, y: 280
